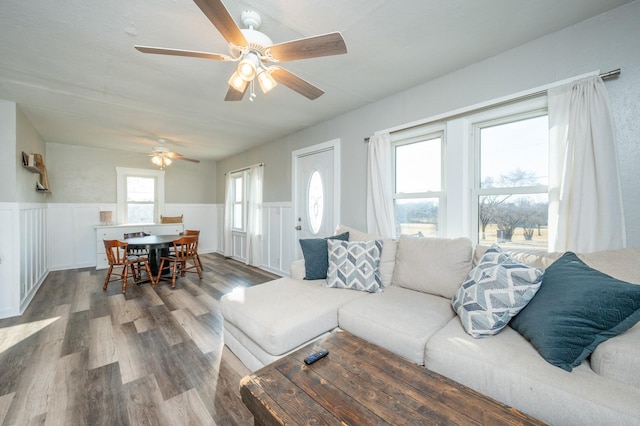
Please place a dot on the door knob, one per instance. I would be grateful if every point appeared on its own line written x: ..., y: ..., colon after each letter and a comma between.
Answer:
x: 298, y: 228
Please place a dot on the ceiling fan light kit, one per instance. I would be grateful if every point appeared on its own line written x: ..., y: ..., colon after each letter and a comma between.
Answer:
x: 161, y: 161
x: 254, y: 51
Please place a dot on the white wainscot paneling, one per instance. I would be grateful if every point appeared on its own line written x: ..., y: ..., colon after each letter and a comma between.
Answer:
x: 9, y: 260
x: 72, y: 238
x: 277, y: 238
x: 203, y: 217
x: 33, y: 250
x: 278, y: 225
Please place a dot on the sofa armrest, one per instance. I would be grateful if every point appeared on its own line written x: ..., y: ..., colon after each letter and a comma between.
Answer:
x: 297, y: 269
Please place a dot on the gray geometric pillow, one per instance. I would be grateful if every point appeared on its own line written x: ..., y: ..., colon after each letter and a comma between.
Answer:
x: 494, y: 292
x: 354, y: 265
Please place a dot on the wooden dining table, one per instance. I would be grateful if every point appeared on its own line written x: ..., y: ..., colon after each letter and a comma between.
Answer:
x: 156, y: 245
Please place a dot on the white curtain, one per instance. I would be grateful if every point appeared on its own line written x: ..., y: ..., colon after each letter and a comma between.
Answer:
x: 254, y: 216
x: 585, y: 202
x: 380, y: 219
x: 228, y: 217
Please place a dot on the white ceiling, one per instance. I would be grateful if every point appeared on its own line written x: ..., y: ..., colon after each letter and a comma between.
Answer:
x: 71, y: 66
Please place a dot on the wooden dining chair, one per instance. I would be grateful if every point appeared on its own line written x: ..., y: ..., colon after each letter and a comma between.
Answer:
x: 136, y: 251
x: 196, y: 233
x: 119, y: 257
x: 184, y: 251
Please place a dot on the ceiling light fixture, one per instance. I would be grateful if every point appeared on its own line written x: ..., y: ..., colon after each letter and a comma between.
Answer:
x: 248, y: 69
x: 251, y: 58
x: 265, y: 80
x: 161, y: 160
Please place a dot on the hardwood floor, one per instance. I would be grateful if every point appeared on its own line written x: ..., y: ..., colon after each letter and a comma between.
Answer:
x: 155, y: 356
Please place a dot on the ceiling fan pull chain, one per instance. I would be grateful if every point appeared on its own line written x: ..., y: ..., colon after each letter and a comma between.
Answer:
x: 253, y: 93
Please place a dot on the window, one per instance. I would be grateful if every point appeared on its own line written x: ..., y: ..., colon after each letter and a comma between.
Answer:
x: 418, y: 189
x: 482, y: 175
x: 140, y: 195
x: 140, y: 206
x: 511, y: 180
x: 315, y: 201
x: 239, y: 215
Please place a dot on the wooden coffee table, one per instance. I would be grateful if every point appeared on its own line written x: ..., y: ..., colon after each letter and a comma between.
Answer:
x: 360, y: 383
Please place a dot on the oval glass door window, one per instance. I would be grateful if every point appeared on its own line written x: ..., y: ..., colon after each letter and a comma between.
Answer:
x: 315, y: 196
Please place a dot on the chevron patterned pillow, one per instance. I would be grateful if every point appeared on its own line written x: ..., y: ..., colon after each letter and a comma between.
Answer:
x: 354, y: 265
x: 494, y: 292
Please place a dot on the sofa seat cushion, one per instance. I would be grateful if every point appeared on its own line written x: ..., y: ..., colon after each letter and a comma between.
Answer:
x: 507, y: 368
x: 397, y: 319
x: 248, y: 352
x: 436, y: 266
x: 282, y: 314
x: 618, y: 358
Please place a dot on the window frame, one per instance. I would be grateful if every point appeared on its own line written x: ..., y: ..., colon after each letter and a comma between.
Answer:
x: 122, y: 173
x: 500, y: 115
x: 243, y: 203
x: 417, y: 135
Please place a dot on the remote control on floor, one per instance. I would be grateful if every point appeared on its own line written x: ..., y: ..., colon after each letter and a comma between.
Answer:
x: 316, y: 356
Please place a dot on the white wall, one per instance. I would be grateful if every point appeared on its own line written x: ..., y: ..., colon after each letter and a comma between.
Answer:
x: 606, y: 42
x: 88, y: 175
x: 23, y: 224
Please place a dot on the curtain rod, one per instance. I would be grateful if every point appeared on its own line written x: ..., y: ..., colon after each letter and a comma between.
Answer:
x: 242, y: 169
x: 604, y: 76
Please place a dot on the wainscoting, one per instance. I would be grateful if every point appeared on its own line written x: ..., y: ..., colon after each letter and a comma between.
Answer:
x: 23, y: 254
x: 72, y: 236
x: 278, y: 238
x: 38, y: 238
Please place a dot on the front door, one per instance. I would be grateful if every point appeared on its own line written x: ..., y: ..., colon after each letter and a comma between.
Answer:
x: 316, y: 192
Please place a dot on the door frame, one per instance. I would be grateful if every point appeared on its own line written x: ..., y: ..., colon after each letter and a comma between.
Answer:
x: 334, y: 145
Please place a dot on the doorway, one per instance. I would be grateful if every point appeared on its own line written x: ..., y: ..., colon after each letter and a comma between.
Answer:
x: 316, y: 191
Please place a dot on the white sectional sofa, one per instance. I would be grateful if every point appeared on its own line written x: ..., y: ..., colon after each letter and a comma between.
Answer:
x: 413, y: 317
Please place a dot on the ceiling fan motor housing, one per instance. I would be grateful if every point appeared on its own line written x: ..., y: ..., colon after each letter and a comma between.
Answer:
x: 251, y: 19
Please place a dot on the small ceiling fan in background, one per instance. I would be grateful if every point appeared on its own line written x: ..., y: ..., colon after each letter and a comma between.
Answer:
x: 255, y: 53
x: 162, y: 157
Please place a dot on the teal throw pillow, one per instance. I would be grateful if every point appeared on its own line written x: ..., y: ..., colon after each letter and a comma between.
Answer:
x: 576, y: 309
x: 316, y: 257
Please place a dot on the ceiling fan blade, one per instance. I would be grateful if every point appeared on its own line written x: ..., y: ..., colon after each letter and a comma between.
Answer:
x: 180, y: 52
x: 178, y: 156
x: 294, y: 82
x: 310, y: 47
x: 222, y: 20
x: 235, y: 95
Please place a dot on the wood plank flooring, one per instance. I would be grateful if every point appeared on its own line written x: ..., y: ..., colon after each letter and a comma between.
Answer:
x: 155, y: 356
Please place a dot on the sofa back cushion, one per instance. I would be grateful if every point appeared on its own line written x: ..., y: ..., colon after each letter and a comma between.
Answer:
x: 536, y: 258
x: 432, y: 265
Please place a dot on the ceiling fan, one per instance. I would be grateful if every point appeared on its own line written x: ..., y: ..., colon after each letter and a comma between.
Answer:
x: 162, y: 157
x: 255, y: 53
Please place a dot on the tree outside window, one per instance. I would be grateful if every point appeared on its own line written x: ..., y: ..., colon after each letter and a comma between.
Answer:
x: 513, y: 175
